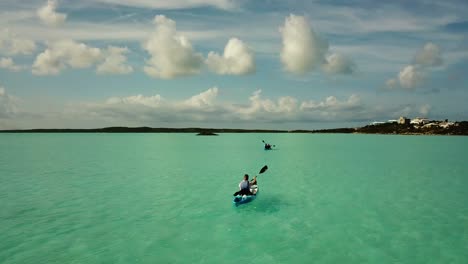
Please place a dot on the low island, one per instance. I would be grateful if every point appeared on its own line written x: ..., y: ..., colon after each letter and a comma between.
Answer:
x: 205, y: 133
x: 394, y: 127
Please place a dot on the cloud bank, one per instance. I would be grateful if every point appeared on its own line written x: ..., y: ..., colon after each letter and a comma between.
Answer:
x: 202, y: 109
x: 206, y: 107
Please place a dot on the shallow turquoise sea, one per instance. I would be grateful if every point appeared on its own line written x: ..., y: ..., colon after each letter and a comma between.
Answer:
x: 167, y: 198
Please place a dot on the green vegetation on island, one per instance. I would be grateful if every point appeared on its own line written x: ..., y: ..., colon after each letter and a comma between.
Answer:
x: 428, y: 128
x: 205, y: 133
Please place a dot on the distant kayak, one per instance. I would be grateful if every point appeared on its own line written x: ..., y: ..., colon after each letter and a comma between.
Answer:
x: 242, y: 199
x: 267, y: 146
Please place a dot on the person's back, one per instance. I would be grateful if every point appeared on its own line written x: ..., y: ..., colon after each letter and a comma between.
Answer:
x: 244, y: 185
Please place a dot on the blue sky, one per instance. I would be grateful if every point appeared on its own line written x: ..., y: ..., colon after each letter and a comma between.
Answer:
x: 230, y: 63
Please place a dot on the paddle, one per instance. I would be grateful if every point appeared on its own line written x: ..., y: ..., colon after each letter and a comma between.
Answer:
x: 262, y: 170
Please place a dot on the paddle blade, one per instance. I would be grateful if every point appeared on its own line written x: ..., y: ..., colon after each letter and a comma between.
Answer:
x: 263, y: 169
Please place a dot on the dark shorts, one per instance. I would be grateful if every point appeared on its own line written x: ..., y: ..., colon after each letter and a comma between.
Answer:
x: 243, y: 191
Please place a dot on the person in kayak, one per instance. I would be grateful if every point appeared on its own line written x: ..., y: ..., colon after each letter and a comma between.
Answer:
x: 267, y: 146
x: 244, y: 185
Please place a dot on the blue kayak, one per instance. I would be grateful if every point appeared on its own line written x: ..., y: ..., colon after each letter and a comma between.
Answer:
x: 242, y: 199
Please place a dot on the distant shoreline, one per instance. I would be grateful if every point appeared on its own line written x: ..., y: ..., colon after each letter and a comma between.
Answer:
x: 142, y: 130
x: 460, y: 128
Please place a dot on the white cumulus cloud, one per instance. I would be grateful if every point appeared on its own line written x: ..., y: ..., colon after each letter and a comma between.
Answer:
x: 9, y: 64
x: 430, y: 55
x: 171, y: 54
x: 425, y: 109
x: 49, y: 16
x: 392, y: 83
x: 204, y: 99
x: 115, y: 62
x: 65, y: 53
x: 337, y: 63
x: 410, y: 77
x: 237, y: 59
x: 303, y: 50
x: 283, y: 109
x: 413, y: 75
x: 11, y: 44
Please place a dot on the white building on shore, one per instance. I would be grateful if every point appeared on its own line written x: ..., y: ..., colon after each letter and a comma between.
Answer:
x: 446, y: 124
x: 419, y: 121
x: 404, y: 120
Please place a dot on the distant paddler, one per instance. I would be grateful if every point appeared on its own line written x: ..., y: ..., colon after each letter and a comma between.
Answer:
x: 267, y: 145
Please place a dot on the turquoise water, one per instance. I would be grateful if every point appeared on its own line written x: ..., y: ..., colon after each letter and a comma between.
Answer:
x: 166, y: 198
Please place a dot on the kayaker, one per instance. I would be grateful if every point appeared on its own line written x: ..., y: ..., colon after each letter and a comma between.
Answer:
x: 244, y: 185
x: 267, y: 146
